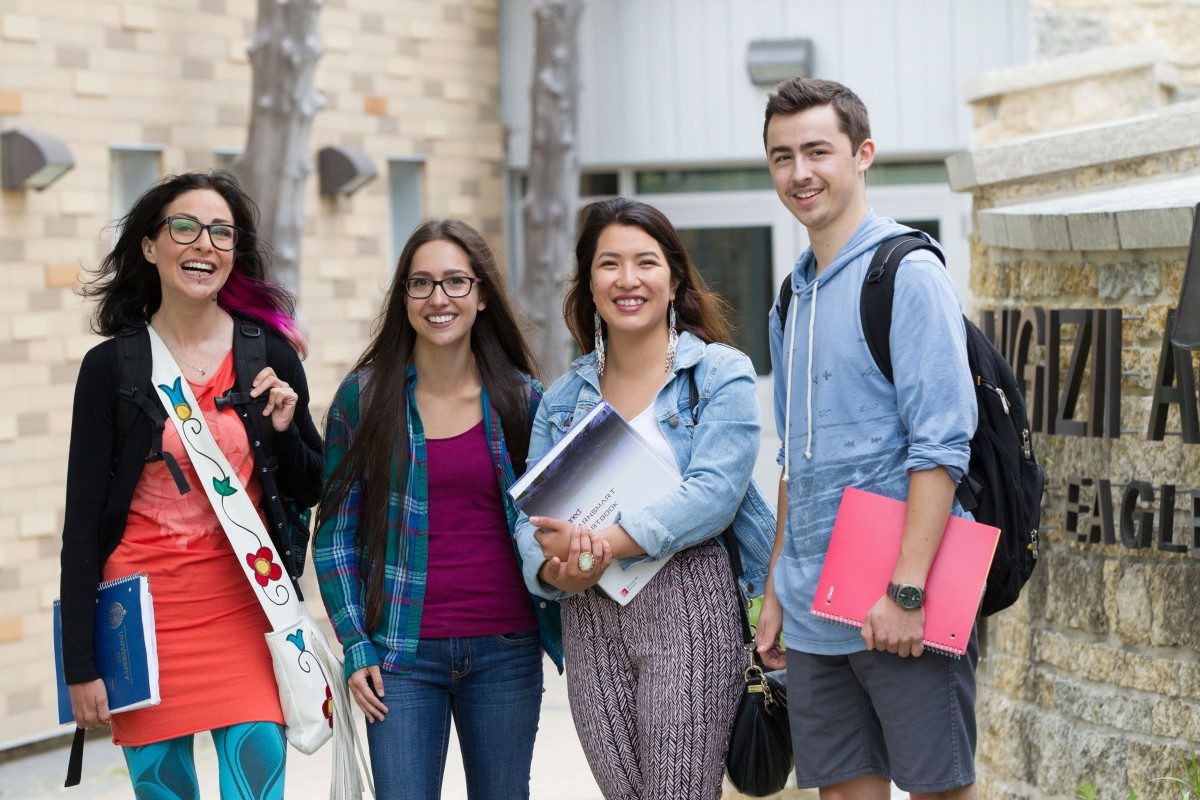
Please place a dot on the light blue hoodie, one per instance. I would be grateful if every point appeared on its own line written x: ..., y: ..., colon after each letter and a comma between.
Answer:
x: 842, y: 423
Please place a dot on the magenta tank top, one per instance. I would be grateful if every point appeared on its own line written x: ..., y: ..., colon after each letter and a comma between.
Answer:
x: 474, y: 585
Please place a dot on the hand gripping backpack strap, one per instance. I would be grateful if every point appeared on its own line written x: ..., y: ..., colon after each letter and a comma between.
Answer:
x: 308, y: 674
x: 289, y: 531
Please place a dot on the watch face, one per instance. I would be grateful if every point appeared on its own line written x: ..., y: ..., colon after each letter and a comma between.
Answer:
x: 908, y: 596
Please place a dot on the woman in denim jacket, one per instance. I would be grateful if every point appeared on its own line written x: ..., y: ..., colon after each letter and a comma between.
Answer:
x: 654, y: 684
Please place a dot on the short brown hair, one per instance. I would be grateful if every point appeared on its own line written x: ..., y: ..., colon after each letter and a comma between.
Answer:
x: 800, y: 94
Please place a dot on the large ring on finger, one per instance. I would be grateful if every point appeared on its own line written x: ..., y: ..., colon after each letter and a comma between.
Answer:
x: 587, y: 562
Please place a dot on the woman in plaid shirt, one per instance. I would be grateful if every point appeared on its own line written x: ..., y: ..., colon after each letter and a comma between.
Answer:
x: 414, y: 549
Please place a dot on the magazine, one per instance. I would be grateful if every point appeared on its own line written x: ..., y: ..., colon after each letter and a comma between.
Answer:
x: 602, y: 466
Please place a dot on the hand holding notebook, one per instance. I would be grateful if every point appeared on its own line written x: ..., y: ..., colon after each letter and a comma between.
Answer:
x: 863, y: 551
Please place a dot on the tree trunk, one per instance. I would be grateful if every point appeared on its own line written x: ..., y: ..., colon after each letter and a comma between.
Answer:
x: 553, y: 180
x: 276, y: 162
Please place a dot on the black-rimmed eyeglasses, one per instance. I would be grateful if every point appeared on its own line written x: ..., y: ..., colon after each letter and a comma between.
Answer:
x: 454, y: 286
x: 185, y: 230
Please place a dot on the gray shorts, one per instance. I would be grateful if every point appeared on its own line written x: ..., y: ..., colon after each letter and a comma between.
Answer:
x: 909, y: 720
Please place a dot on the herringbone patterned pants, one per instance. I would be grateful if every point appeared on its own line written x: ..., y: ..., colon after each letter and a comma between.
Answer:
x: 654, y: 685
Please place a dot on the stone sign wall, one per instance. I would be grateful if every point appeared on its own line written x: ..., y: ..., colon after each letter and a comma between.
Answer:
x: 1078, y: 253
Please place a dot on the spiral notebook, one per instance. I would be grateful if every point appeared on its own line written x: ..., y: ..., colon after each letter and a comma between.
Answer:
x: 862, y: 554
x: 123, y: 646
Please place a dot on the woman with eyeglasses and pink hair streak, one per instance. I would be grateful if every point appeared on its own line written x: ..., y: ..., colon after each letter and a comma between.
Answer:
x: 189, y: 264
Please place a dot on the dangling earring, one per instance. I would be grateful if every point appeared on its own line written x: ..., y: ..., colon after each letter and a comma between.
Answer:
x: 672, y: 337
x: 599, y: 344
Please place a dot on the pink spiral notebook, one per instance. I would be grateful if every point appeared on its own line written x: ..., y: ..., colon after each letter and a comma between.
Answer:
x: 862, y: 554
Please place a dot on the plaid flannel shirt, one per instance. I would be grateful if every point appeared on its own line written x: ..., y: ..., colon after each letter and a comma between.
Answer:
x: 393, y: 645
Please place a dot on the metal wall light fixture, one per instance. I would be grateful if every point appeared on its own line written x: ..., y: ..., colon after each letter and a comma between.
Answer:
x: 343, y: 170
x: 770, y: 61
x: 32, y: 160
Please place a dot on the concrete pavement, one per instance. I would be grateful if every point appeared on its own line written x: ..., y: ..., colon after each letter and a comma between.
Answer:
x: 560, y: 771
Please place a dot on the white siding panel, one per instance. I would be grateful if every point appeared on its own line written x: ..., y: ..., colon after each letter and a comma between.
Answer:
x: 665, y: 82
x: 821, y: 22
x: 925, y: 79
x: 871, y: 67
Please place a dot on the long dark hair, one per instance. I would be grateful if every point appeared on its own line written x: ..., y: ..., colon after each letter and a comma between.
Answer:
x: 698, y: 309
x: 126, y: 285
x: 381, y: 447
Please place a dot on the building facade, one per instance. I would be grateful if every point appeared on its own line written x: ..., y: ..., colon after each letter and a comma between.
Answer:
x: 1084, y: 182
x: 140, y: 90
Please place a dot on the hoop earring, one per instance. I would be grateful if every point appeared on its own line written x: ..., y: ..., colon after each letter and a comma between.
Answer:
x: 672, y: 337
x: 599, y: 344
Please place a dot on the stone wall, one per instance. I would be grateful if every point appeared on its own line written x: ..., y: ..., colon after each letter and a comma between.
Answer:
x: 1093, y: 676
x: 403, y: 79
x: 1061, y: 27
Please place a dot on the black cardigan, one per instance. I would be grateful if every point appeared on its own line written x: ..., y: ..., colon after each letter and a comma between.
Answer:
x: 103, y: 469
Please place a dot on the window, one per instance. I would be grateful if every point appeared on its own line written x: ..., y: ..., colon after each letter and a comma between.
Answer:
x: 736, y: 263
x: 599, y: 184
x: 132, y: 170
x: 223, y: 158
x: 404, y: 201
x: 890, y: 173
x: 703, y: 180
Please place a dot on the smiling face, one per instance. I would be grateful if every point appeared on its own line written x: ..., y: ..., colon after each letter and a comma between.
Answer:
x: 438, y: 320
x: 817, y: 173
x: 631, y: 282
x: 191, y: 272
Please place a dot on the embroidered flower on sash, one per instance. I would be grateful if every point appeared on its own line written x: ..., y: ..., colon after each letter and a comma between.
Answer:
x: 264, y: 566
x: 327, y: 706
x: 174, y: 393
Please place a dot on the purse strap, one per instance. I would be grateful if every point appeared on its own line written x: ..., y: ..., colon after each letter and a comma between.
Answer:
x: 735, y: 558
x: 238, y: 516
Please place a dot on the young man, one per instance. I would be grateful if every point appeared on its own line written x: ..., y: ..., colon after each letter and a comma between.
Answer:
x: 866, y: 708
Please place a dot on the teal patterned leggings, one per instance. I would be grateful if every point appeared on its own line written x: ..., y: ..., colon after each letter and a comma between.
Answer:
x: 250, y: 756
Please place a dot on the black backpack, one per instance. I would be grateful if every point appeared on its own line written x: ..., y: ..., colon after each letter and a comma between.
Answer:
x: 1003, y: 485
x: 290, y: 522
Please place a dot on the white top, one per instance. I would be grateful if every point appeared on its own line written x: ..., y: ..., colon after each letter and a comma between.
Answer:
x: 647, y: 427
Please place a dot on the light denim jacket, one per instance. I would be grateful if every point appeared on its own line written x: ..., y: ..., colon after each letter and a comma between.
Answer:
x: 716, y: 457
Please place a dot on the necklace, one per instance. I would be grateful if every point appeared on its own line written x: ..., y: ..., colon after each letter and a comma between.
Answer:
x: 203, y: 372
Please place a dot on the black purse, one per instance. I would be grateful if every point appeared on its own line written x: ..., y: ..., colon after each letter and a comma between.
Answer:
x: 759, y: 758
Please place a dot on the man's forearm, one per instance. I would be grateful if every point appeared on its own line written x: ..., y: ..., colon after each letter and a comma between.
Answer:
x: 930, y: 495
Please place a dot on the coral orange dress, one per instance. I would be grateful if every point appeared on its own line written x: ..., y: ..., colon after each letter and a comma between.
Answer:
x: 214, y: 667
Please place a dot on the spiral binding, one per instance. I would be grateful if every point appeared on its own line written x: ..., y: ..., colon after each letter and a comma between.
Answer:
x: 115, y: 581
x: 937, y: 647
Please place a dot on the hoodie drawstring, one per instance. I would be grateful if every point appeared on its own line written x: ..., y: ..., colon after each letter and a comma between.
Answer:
x: 812, y: 324
x: 787, y: 413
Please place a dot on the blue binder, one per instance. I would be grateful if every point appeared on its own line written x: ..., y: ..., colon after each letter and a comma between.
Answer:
x: 123, y: 646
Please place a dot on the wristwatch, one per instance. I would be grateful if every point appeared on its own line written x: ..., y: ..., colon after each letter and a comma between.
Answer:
x: 906, y: 595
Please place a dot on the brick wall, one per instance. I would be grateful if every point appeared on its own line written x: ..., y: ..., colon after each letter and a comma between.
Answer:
x: 402, y: 79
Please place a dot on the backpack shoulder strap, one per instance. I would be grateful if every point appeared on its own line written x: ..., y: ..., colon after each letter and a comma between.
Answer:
x: 785, y: 300
x: 134, y: 364
x: 249, y: 358
x: 879, y: 286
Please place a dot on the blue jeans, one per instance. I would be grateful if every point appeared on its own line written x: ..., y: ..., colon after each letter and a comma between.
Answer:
x: 492, y: 686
